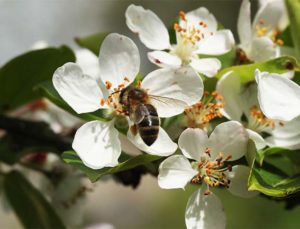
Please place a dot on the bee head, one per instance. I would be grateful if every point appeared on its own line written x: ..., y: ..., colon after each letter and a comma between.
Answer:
x: 123, y: 98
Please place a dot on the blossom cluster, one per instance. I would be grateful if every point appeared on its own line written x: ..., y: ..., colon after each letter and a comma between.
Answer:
x: 205, y: 152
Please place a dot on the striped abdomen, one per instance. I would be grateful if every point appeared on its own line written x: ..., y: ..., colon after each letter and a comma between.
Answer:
x: 148, y: 127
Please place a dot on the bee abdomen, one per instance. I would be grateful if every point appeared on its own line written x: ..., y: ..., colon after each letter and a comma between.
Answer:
x: 149, y: 126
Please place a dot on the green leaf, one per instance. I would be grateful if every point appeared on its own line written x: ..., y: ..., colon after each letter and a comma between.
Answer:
x: 278, y: 65
x: 293, y: 8
x: 21, y: 74
x: 279, y: 175
x: 47, y: 90
x: 126, y: 163
x: 29, y: 204
x: 273, y: 184
x: 261, y: 154
x: 92, y: 42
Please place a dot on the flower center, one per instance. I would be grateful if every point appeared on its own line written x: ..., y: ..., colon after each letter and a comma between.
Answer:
x: 262, y: 29
x: 258, y: 121
x: 212, y: 172
x: 200, y: 114
x: 188, y: 35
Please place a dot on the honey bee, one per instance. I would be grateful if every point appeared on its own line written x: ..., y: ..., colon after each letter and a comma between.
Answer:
x: 137, y: 103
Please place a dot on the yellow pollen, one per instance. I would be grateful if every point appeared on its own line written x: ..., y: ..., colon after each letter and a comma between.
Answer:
x: 263, y: 30
x: 200, y: 114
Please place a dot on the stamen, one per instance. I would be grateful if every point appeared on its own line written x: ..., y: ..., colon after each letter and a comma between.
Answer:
x: 139, y: 84
x: 108, y: 85
x: 200, y: 114
x: 126, y: 79
x: 258, y: 121
x: 121, y: 86
x: 262, y: 29
x: 102, y: 102
x: 190, y: 33
x: 212, y: 172
x: 182, y: 15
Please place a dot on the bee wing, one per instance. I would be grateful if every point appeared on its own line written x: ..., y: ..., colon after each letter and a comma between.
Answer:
x: 161, y: 102
x: 138, y: 113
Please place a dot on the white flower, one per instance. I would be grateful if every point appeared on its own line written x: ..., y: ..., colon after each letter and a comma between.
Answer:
x: 279, y: 98
x: 209, y: 156
x: 97, y: 142
x: 66, y: 190
x: 243, y: 104
x: 196, y: 33
x: 259, y: 41
x: 44, y: 110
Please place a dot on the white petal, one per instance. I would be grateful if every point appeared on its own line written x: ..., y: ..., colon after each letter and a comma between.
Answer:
x: 164, y: 59
x: 128, y: 147
x: 219, y: 43
x: 175, y: 172
x: 230, y: 138
x: 163, y: 146
x: 193, y: 143
x: 244, y: 23
x: 88, y: 62
x: 229, y: 87
x: 182, y: 84
x: 206, y: 66
x: 292, y: 143
x: 201, y: 14
x: 271, y: 13
x: 279, y: 97
x: 80, y: 91
x: 262, y: 49
x: 204, y: 212
x: 257, y: 139
x: 119, y: 58
x: 287, y: 136
x: 151, y: 30
x: 239, y: 182
x: 97, y: 144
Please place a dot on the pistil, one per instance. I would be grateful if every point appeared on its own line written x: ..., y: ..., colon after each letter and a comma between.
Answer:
x: 213, y: 172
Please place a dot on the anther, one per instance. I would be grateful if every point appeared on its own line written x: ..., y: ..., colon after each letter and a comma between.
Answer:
x: 139, y: 84
x: 102, y: 102
x: 108, y: 85
x: 207, y: 192
x: 182, y: 15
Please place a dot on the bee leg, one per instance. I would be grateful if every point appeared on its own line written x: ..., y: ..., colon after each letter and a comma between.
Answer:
x: 134, y: 130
